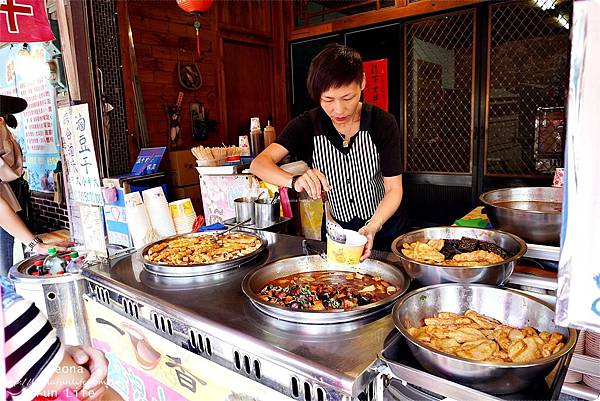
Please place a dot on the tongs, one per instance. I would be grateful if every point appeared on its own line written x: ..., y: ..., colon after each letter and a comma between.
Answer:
x: 334, y: 230
x: 233, y: 227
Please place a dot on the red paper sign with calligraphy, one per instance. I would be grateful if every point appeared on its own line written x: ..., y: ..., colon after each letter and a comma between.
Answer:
x: 24, y: 21
x: 376, y: 89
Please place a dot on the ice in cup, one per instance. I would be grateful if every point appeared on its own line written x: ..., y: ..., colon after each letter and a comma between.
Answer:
x: 349, y: 253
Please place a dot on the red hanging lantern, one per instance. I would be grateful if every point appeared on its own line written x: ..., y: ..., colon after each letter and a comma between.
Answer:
x: 194, y: 7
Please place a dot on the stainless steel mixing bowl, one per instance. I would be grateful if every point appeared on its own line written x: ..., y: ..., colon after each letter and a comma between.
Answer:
x: 533, y: 224
x: 508, y: 306
x: 428, y: 274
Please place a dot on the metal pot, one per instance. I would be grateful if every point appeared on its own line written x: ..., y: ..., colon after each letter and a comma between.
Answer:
x: 508, y: 306
x: 427, y: 274
x: 526, y: 216
x: 266, y: 213
x: 244, y: 209
x: 58, y: 297
x: 258, y: 278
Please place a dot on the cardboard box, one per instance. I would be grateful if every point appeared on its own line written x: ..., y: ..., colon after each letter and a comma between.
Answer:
x: 182, y: 168
x: 192, y: 192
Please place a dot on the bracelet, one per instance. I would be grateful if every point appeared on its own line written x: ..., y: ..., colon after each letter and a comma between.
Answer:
x: 374, y: 221
x: 33, y: 243
x: 294, y: 179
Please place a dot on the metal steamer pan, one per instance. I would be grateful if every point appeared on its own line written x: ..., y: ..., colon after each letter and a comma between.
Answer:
x: 536, y: 226
x: 165, y: 269
x: 508, y: 306
x: 258, y: 278
x: 430, y: 274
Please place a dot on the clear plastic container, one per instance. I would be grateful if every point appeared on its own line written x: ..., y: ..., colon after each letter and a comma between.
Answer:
x: 54, y: 264
x: 76, y: 263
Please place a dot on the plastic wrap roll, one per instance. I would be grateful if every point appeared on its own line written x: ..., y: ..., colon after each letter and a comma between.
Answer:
x: 140, y: 228
x: 158, y: 207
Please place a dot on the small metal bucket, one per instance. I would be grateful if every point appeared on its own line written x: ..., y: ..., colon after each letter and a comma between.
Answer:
x: 244, y: 209
x: 266, y: 213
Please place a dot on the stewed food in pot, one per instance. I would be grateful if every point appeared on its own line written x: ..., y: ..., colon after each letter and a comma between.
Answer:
x: 326, y: 290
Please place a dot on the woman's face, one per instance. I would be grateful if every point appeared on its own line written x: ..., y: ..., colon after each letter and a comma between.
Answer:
x: 341, y: 103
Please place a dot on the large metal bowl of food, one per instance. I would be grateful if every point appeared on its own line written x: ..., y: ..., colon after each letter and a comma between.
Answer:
x: 309, y: 289
x: 532, y: 213
x: 198, y: 254
x: 528, y: 345
x: 430, y: 268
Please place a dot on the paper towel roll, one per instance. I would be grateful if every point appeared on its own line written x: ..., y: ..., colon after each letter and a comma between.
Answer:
x: 140, y: 228
x: 158, y: 208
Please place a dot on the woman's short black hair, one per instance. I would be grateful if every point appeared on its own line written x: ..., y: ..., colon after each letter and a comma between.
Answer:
x: 336, y: 65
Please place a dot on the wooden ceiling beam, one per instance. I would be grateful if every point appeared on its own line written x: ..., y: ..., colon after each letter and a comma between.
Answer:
x: 401, y: 10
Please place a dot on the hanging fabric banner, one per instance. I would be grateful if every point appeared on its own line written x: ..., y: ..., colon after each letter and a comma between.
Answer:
x: 24, y: 21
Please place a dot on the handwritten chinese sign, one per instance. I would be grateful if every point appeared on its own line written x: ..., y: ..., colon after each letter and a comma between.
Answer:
x: 93, y: 229
x: 376, y: 89
x: 80, y: 156
x: 37, y: 129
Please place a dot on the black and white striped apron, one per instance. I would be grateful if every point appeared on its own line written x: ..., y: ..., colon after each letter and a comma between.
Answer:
x: 354, y: 174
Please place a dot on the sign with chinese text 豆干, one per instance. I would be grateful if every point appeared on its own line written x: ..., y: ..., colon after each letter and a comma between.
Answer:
x: 376, y: 88
x: 37, y: 130
x: 146, y: 366
x: 79, y: 153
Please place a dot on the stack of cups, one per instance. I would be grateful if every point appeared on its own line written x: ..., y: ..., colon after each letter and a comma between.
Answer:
x: 592, y: 348
x: 140, y: 228
x: 158, y: 208
x: 572, y: 376
x: 183, y: 214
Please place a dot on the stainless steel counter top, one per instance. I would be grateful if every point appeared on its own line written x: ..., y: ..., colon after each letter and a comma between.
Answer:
x: 338, y: 355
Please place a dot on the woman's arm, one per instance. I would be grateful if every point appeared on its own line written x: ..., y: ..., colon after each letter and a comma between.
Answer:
x: 12, y: 223
x: 386, y: 209
x: 265, y: 167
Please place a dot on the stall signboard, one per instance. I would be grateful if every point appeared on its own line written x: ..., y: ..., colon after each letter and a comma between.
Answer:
x: 376, y: 88
x: 22, y: 74
x: 79, y: 153
x: 144, y: 366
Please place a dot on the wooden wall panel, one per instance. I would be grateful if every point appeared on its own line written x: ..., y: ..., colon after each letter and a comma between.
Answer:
x: 251, y: 15
x: 249, y: 86
x: 162, y: 32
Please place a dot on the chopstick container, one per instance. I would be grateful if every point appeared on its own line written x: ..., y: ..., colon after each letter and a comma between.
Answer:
x: 266, y: 213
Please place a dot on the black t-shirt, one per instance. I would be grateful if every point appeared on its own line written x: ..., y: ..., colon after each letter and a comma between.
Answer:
x: 298, y: 136
x: 355, y: 172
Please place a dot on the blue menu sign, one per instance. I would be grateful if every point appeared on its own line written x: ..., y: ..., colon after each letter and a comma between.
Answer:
x: 148, y: 161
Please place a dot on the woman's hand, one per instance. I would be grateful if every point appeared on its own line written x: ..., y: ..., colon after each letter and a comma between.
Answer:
x: 369, y: 230
x: 313, y: 182
x: 42, y: 249
x: 95, y: 361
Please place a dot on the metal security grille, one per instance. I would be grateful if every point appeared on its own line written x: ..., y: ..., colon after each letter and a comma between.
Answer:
x: 528, y: 69
x: 439, y: 94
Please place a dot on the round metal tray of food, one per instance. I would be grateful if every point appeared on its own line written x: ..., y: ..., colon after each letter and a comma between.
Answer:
x: 257, y: 279
x: 199, y: 269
